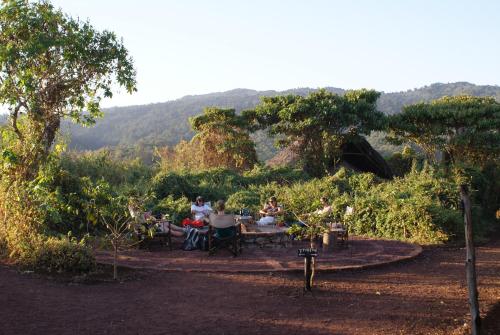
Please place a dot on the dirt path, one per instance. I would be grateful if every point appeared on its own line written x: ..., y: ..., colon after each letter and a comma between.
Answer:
x: 426, y: 295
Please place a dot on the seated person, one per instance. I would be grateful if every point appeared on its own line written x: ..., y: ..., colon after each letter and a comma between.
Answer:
x: 269, y: 212
x: 142, y: 217
x: 327, y: 208
x: 223, y: 232
x: 200, y: 210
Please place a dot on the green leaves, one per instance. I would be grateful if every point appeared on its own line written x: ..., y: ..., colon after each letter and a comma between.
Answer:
x: 224, y: 139
x: 464, y: 127
x: 317, y: 125
x: 9, y: 157
x: 52, y: 67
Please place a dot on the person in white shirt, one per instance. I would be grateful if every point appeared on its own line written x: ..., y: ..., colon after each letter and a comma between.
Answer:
x: 200, y: 209
x: 327, y: 208
x: 269, y: 212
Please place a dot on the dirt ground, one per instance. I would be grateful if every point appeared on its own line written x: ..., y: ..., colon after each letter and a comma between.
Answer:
x: 362, y: 252
x: 426, y: 295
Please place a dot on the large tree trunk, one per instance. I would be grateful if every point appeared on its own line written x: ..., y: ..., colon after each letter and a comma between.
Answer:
x: 470, y: 262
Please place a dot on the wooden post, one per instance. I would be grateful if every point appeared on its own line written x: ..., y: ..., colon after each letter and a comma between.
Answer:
x: 470, y: 262
x: 115, y: 259
x: 329, y: 240
x: 308, y: 273
x: 170, y: 235
x: 309, y: 264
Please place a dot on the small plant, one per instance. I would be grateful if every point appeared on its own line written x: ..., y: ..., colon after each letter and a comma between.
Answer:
x: 119, y: 231
x: 316, y: 225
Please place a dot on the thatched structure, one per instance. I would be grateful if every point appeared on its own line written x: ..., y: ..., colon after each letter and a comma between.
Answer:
x: 357, y: 154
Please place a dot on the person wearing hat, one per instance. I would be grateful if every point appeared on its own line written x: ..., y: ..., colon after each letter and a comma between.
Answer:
x: 200, y: 209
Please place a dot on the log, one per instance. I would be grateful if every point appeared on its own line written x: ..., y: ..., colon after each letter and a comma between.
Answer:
x: 470, y: 262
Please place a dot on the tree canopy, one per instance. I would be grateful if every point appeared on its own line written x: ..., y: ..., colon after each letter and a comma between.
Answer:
x: 223, y: 140
x: 316, y: 126
x: 52, y: 67
x: 465, y: 128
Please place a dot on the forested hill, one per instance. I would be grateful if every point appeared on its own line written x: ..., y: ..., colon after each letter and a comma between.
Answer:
x: 163, y: 123
x: 166, y: 123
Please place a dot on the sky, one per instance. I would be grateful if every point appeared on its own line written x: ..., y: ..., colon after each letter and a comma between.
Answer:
x: 196, y: 47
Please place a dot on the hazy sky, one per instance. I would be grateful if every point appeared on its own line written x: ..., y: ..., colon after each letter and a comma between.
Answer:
x: 192, y: 47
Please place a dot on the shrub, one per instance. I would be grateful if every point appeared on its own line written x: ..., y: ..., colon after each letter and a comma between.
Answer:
x: 174, y: 184
x: 216, y: 184
x: 281, y: 175
x: 177, y: 209
x: 421, y: 207
x: 63, y: 255
x: 402, y: 162
x: 244, y: 199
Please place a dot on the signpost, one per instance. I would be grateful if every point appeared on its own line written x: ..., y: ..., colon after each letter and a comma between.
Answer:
x: 308, y: 255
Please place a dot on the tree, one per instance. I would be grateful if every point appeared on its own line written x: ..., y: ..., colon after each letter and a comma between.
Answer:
x: 464, y: 128
x: 223, y: 140
x: 118, y: 235
x: 179, y: 157
x: 317, y: 125
x: 52, y: 67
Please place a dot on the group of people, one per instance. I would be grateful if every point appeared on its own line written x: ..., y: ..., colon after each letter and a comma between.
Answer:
x: 200, y: 211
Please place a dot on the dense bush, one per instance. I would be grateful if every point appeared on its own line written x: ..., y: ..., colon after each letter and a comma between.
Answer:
x: 63, y: 255
x: 102, y: 165
x: 75, y: 203
x: 177, y: 208
x: 403, y: 162
x: 219, y: 183
x: 174, y: 184
x: 244, y: 199
x: 422, y: 206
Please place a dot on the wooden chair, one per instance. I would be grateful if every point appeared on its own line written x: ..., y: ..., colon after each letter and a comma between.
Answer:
x: 224, y: 232
x: 149, y: 232
x: 342, y: 229
x: 341, y: 234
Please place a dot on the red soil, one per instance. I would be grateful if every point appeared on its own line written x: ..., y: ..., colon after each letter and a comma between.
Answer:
x: 361, y: 253
x: 426, y: 295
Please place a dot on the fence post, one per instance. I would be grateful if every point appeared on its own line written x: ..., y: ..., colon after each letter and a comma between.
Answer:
x: 470, y: 262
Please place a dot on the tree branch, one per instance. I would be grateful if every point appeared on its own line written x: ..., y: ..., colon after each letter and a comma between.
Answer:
x: 13, y: 119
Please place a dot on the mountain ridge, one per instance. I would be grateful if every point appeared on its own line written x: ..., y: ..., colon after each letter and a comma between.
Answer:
x: 139, y: 128
x: 166, y: 123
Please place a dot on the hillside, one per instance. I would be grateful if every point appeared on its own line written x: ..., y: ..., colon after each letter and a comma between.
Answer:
x: 135, y: 130
x: 166, y: 123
